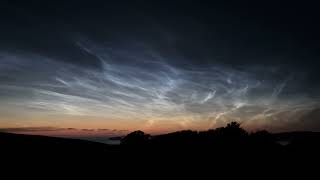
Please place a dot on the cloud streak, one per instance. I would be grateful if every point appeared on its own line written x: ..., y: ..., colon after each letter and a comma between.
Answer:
x: 102, y: 134
x: 148, y: 90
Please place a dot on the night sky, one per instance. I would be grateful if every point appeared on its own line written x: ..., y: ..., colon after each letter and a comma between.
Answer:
x: 158, y: 66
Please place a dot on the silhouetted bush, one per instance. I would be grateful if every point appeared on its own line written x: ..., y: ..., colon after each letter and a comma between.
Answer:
x: 223, y: 140
x: 136, y: 138
x: 233, y: 129
x: 231, y: 134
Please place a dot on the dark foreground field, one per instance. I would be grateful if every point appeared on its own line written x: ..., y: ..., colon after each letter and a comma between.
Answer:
x: 229, y: 147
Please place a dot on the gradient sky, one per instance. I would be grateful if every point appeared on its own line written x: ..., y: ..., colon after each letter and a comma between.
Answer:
x: 114, y: 67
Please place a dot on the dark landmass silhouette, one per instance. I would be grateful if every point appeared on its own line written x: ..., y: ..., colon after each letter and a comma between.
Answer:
x: 116, y: 138
x: 230, y: 146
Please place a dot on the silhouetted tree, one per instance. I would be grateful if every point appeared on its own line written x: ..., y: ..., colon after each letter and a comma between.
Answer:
x: 232, y: 129
x: 136, y: 138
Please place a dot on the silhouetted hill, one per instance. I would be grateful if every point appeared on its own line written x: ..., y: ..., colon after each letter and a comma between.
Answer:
x: 229, y: 146
x: 34, y: 147
x: 291, y: 136
x: 14, y: 140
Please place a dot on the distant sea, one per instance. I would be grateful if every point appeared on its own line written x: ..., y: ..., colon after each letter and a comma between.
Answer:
x: 105, y: 140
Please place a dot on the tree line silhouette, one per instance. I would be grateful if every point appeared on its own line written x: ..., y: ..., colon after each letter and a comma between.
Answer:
x: 230, y: 145
x: 232, y: 133
x: 226, y: 139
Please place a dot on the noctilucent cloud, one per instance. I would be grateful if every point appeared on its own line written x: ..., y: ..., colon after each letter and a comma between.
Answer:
x: 96, y: 69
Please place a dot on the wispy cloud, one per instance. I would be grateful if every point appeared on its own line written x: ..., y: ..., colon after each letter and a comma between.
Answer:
x: 148, y: 89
